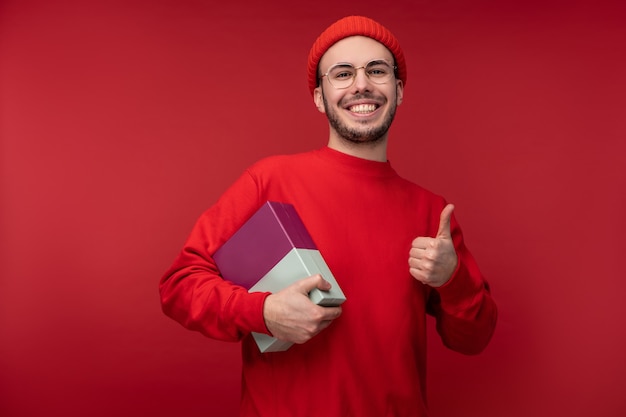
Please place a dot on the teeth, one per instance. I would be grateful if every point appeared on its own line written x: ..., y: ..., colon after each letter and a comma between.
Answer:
x: 363, y: 108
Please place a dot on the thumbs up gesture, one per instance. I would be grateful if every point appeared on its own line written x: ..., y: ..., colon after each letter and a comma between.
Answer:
x: 433, y: 260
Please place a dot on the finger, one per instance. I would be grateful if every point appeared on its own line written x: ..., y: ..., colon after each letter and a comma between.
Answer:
x: 417, y: 274
x: 444, y: 222
x: 415, y: 263
x: 325, y: 324
x: 314, y: 281
x: 416, y: 254
x: 330, y: 313
x: 422, y: 242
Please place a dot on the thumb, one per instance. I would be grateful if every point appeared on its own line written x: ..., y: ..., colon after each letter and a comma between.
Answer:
x: 314, y: 281
x: 444, y: 222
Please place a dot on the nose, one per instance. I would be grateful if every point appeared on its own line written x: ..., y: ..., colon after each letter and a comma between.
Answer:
x: 361, y: 80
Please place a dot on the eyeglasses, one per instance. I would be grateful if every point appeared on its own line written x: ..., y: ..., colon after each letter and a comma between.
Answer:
x: 342, y: 75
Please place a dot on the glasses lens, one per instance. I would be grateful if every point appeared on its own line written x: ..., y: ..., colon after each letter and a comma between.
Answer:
x: 379, y: 72
x: 341, y: 75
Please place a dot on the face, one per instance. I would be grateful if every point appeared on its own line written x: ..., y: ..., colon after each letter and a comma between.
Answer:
x: 363, y: 112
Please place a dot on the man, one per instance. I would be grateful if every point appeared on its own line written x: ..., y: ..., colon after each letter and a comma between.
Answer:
x: 367, y: 357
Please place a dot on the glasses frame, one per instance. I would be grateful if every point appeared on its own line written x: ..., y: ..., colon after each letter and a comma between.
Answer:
x: 356, y: 69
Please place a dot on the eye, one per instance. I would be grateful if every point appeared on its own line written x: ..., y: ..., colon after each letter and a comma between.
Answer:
x: 378, y: 70
x: 342, y: 74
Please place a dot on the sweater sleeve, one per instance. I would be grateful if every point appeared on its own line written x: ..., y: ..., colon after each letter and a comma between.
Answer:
x: 465, y: 312
x: 192, y: 289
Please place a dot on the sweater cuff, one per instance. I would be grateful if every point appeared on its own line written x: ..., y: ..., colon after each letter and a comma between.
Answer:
x: 250, y: 312
x: 461, y: 289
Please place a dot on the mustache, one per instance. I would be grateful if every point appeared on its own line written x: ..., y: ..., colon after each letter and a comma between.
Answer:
x: 361, y: 96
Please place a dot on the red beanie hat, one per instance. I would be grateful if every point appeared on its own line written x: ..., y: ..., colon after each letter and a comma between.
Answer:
x: 353, y: 26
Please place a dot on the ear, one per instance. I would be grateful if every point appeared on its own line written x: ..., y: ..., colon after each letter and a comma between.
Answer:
x: 399, y: 92
x: 318, y: 99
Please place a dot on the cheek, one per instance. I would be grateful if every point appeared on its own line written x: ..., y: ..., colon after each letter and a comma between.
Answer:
x: 333, y: 101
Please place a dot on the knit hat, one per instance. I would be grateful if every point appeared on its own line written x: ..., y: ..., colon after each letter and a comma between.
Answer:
x: 354, y: 26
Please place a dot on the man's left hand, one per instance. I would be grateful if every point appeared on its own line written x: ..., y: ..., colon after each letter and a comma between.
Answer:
x: 432, y: 261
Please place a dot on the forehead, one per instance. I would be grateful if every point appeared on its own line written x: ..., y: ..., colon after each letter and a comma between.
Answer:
x: 356, y: 50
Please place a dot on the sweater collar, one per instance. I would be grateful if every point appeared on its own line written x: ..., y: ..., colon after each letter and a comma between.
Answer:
x: 356, y: 165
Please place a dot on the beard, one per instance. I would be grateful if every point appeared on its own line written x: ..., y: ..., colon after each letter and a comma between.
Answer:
x: 360, y: 135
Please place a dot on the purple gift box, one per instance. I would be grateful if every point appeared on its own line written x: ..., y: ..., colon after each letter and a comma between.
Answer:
x: 271, y: 251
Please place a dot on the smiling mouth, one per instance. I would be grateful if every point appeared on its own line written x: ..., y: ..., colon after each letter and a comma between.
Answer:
x: 363, y: 108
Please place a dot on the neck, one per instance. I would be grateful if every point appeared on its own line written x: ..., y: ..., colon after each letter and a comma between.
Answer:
x: 373, y: 151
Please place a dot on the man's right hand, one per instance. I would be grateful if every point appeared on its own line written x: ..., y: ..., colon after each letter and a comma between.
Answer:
x: 291, y: 316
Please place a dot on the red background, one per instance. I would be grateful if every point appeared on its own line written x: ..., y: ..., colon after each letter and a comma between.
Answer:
x: 121, y: 121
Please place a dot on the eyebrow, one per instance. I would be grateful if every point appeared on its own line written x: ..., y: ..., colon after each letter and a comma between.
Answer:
x: 377, y: 61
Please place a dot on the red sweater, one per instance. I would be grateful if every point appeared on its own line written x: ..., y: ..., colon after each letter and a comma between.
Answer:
x: 363, y: 217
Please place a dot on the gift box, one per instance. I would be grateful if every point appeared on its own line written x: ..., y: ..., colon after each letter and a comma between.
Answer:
x: 271, y: 251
